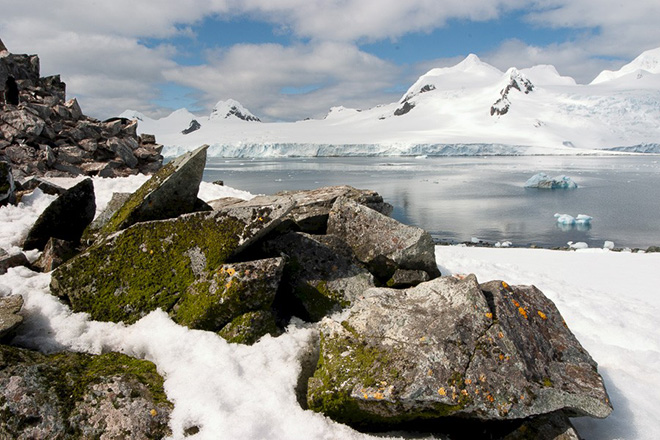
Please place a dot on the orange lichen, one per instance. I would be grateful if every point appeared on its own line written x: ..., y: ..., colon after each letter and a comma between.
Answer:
x: 231, y: 271
x: 442, y: 392
x: 522, y: 312
x: 489, y: 315
x: 490, y: 398
x: 468, y: 381
x: 379, y: 396
x: 505, y: 285
x: 542, y: 315
x: 153, y: 413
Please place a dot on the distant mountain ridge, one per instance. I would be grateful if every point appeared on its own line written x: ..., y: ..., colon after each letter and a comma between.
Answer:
x: 464, y: 109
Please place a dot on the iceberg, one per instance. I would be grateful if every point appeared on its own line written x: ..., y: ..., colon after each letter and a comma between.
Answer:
x: 542, y: 180
x: 566, y: 222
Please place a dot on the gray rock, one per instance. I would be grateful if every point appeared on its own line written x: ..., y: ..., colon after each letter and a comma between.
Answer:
x: 313, y: 206
x: 555, y: 426
x: 45, y: 186
x: 322, y: 273
x: 250, y: 327
x: 7, y: 186
x: 116, y: 201
x: 224, y: 202
x: 150, y: 264
x: 65, y: 218
x: 216, y: 298
x: 170, y: 192
x: 123, y: 151
x: 13, y: 260
x: 9, y: 317
x: 56, y: 252
x: 147, y: 139
x: 75, y: 395
x: 20, y: 123
x: 450, y: 347
x: 407, y: 278
x: 382, y: 243
x: 74, y: 109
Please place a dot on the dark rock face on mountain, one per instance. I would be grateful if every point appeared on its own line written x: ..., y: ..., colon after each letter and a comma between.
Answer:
x: 517, y: 81
x: 43, y: 134
x: 194, y: 126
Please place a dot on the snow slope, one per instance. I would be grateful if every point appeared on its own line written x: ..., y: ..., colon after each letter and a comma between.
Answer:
x: 471, y: 108
x: 608, y: 299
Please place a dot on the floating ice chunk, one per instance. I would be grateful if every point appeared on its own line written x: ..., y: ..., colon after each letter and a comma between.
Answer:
x: 542, y: 180
x: 578, y: 245
x: 503, y: 244
x: 584, y: 219
x: 475, y: 240
x: 608, y: 245
x: 565, y: 219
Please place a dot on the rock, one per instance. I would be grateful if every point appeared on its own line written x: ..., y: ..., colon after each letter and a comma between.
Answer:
x: 65, y: 218
x: 224, y: 202
x: 652, y: 249
x: 45, y: 186
x: 313, y: 207
x: 7, y: 187
x: 9, y: 317
x: 7, y: 261
x: 555, y: 426
x: 56, y: 252
x: 322, y: 274
x: 147, y: 139
x: 74, y: 108
x: 405, y: 108
x: 218, y: 297
x: 194, y: 126
x: 250, y: 327
x: 116, y: 201
x: 75, y: 395
x: 170, y: 192
x: 451, y: 347
x: 407, y: 278
x: 150, y: 264
x: 380, y: 242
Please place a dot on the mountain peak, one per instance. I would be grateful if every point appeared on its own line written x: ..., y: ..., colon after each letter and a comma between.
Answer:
x: 232, y: 108
x: 649, y: 61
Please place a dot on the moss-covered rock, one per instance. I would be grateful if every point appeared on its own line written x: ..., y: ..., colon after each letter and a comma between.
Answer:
x: 453, y: 348
x: 250, y: 327
x: 74, y: 395
x: 214, y: 300
x: 150, y: 265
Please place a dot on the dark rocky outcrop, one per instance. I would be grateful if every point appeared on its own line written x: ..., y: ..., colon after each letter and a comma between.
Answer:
x: 56, y: 252
x: 43, y: 134
x: 451, y: 347
x: 405, y: 108
x: 65, y: 218
x: 74, y: 395
x: 517, y: 81
x: 7, y: 187
x: 12, y: 260
x: 194, y: 126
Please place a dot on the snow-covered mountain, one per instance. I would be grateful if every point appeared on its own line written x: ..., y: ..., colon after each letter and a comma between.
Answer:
x: 471, y: 108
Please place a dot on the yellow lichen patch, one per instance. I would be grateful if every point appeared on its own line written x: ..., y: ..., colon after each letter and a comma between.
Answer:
x: 464, y: 392
x: 489, y: 315
x: 261, y: 219
x: 522, y: 312
x: 151, y: 252
x: 442, y: 392
x: 379, y: 396
x: 422, y: 339
x: 522, y: 397
x: 153, y: 413
x: 500, y: 335
x: 228, y: 285
x: 231, y: 271
x: 429, y: 373
x: 542, y: 315
x: 468, y: 381
x: 505, y: 285
x: 490, y: 398
x: 501, y: 357
x: 482, y: 378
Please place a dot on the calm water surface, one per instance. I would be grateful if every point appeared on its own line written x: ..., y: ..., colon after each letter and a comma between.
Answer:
x: 456, y: 199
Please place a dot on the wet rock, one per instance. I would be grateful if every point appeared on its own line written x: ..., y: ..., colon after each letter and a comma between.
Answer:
x: 250, y: 327
x: 170, y: 192
x: 65, y: 218
x: 74, y: 395
x: 12, y: 260
x: 322, y: 274
x: 451, y: 347
x: 380, y: 242
x: 9, y: 317
x: 150, y: 264
x: 56, y: 252
x: 313, y: 206
x: 216, y: 298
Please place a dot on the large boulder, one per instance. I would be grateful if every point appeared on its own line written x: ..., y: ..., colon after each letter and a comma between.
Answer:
x: 75, y: 395
x: 170, y: 192
x: 65, y: 218
x: 151, y: 264
x: 216, y: 298
x: 7, y: 186
x: 56, y: 252
x: 380, y: 242
x: 451, y: 347
x: 9, y: 317
x: 322, y: 274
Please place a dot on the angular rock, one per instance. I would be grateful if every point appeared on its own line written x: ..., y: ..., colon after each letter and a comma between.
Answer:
x: 9, y: 317
x: 224, y: 202
x: 151, y: 264
x: 65, y: 218
x: 7, y: 186
x: 75, y: 395
x: 380, y: 242
x: 116, y: 201
x: 7, y: 261
x: 56, y: 252
x: 322, y: 274
x: 312, y: 207
x: 170, y: 192
x: 216, y: 298
x: 45, y: 186
x: 250, y: 327
x: 407, y: 278
x: 555, y: 426
x: 449, y: 347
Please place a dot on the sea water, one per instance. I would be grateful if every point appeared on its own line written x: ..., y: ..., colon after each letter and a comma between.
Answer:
x: 458, y: 199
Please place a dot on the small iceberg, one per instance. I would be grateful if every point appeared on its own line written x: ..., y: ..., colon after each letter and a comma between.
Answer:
x: 567, y: 222
x: 542, y: 180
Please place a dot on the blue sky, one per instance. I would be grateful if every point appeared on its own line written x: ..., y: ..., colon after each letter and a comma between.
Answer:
x: 291, y: 59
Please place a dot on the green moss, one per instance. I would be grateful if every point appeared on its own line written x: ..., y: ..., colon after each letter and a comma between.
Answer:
x: 147, y: 266
x: 249, y: 327
x: 547, y: 382
x: 319, y: 300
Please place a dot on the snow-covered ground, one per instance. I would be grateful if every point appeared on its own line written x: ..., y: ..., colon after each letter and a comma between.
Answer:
x: 610, y: 300
x: 449, y: 111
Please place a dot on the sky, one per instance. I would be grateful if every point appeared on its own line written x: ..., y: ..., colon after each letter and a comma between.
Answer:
x: 287, y: 60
